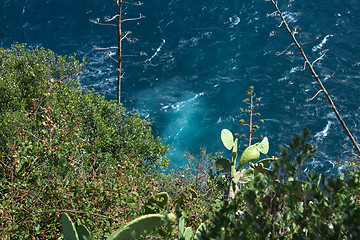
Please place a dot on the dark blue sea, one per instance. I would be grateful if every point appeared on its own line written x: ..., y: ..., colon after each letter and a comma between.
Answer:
x: 202, y: 56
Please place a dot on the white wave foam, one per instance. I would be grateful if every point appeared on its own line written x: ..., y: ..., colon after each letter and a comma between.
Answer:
x: 322, y: 134
x: 320, y: 45
x: 290, y: 16
x: 179, y: 105
x: 192, y: 42
x: 234, y: 20
x: 295, y: 69
x: 157, y: 51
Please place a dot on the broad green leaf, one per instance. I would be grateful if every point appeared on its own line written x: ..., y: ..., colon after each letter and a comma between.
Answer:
x: 244, y: 176
x: 251, y: 153
x: 263, y: 146
x: 188, y: 234
x: 227, y: 139
x: 181, y: 227
x: 135, y: 228
x: 68, y: 228
x: 259, y: 170
x: 222, y: 165
x: 84, y: 233
x: 237, y: 176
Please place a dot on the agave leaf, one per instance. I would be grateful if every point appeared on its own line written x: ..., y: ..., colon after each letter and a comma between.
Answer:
x: 227, y: 139
x: 263, y: 146
x: 222, y: 165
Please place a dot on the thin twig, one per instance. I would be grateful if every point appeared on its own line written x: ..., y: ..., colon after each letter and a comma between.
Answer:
x: 74, y: 211
x: 133, y: 19
x: 280, y: 53
x: 134, y: 4
x: 108, y: 54
x: 105, y: 48
x: 342, y: 83
x: 97, y: 21
x: 108, y: 19
x: 310, y: 99
x: 323, y: 54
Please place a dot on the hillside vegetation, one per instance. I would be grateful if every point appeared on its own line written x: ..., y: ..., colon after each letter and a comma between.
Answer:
x: 64, y: 149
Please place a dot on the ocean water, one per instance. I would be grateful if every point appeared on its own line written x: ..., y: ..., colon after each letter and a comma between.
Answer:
x: 203, y: 56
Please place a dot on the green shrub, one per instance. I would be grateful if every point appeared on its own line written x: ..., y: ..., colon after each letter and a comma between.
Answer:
x: 195, y: 188
x: 288, y: 204
x: 64, y: 149
x: 45, y: 116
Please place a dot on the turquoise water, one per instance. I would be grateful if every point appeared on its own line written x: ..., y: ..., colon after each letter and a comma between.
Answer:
x: 202, y: 57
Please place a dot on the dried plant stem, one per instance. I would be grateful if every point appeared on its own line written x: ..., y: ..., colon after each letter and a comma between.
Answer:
x: 120, y: 36
x: 310, y: 65
x: 251, y: 120
x: 118, y: 97
x: 74, y: 211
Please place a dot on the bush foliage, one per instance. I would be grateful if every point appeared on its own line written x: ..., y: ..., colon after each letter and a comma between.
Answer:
x: 63, y: 148
x: 288, y: 204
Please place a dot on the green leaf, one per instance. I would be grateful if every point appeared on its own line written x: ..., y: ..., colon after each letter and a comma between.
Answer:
x: 319, y: 180
x: 266, y: 161
x: 181, y: 227
x: 246, y: 175
x: 135, y: 228
x: 37, y: 227
x: 188, y: 234
x: 227, y: 139
x: 263, y: 146
x: 234, y: 152
x: 261, y: 170
x: 251, y: 153
x: 222, y: 165
x: 68, y: 228
x: 193, y: 194
x: 201, y: 228
x: 83, y: 232
x: 237, y: 177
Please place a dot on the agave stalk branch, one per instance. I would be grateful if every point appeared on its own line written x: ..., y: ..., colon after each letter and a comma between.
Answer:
x: 316, y: 77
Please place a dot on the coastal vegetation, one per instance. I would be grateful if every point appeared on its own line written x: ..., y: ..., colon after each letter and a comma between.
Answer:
x: 72, y: 163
